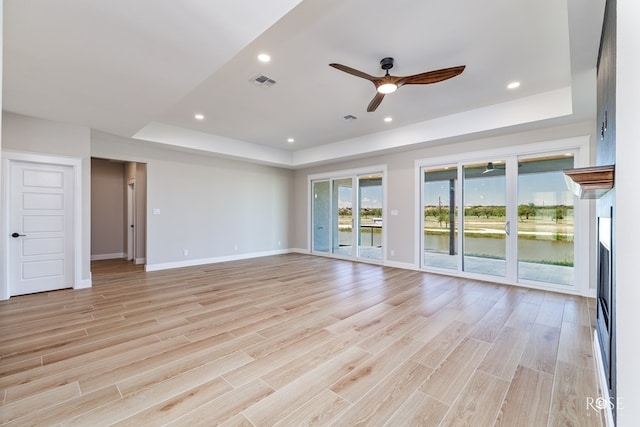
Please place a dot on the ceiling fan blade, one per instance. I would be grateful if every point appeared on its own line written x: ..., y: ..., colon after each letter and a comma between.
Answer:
x: 353, y: 71
x: 375, y: 102
x: 431, y: 76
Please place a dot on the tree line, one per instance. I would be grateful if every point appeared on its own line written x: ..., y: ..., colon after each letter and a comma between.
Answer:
x: 364, y: 212
x: 525, y: 212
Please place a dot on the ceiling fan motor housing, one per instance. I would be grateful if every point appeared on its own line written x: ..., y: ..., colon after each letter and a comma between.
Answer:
x: 386, y: 63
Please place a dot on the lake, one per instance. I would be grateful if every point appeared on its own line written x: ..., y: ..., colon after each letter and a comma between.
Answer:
x: 553, y: 251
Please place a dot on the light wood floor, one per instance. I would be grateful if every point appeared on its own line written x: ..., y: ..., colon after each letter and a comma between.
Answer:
x: 295, y: 340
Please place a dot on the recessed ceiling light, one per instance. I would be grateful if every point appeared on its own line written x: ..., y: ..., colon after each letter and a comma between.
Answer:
x: 291, y: 140
x: 199, y: 116
x: 513, y: 85
x: 388, y: 119
x: 263, y: 57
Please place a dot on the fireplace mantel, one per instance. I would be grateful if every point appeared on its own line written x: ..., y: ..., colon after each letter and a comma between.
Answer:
x: 590, y: 182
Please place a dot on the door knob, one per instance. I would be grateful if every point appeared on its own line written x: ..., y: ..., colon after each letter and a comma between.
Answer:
x: 16, y: 235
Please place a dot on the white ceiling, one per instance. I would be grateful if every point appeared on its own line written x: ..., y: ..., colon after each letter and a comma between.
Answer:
x: 143, y: 68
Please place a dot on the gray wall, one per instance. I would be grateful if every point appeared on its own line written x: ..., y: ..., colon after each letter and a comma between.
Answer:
x: 211, y: 207
x: 107, y: 209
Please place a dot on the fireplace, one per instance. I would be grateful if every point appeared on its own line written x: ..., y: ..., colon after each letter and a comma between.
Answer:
x: 605, y: 300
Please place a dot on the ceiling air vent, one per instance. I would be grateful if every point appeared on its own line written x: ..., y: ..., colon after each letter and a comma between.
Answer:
x: 349, y: 118
x: 262, y: 80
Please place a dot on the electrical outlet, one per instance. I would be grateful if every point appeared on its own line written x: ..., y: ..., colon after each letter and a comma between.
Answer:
x: 279, y: 243
x: 235, y: 247
x: 185, y: 252
x: 392, y: 252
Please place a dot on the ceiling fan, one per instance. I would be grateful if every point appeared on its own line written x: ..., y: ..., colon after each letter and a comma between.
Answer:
x: 388, y: 84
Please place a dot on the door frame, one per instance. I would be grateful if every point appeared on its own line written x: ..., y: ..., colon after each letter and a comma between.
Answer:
x: 9, y: 156
x: 583, y: 268
x: 131, y: 220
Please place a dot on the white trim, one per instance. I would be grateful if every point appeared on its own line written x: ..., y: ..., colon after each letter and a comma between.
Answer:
x: 214, y: 260
x: 602, y: 380
x: 100, y: 257
x: 83, y: 284
x: 139, y: 261
x: 76, y: 164
x: 402, y: 265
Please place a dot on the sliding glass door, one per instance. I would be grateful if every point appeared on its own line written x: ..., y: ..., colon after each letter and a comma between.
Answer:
x: 440, y: 235
x: 342, y: 217
x: 485, y: 222
x: 545, y: 220
x: 370, y: 217
x: 347, y: 216
x: 321, y: 218
x: 509, y: 218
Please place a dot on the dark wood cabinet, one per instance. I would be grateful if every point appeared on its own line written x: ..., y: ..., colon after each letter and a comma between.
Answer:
x: 606, y: 110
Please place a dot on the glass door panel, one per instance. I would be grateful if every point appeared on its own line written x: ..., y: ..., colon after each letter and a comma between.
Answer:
x: 321, y: 203
x: 370, y: 217
x: 440, y: 221
x: 485, y: 225
x: 545, y: 220
x: 342, y: 217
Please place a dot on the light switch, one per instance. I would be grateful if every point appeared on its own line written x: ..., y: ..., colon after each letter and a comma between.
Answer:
x: 156, y: 211
x: 394, y: 212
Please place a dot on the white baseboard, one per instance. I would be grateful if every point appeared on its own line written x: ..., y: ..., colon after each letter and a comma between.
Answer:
x: 139, y: 261
x: 100, y: 257
x: 214, y: 260
x: 602, y: 380
x: 83, y: 284
x: 402, y: 265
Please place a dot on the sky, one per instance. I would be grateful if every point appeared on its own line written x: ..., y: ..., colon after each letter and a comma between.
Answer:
x: 546, y: 188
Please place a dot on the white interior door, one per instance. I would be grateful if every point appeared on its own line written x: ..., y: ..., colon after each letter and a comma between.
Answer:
x: 41, y: 227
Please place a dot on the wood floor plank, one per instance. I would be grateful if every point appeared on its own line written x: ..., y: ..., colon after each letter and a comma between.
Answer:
x: 479, y: 402
x: 541, y: 352
x: 147, y: 398
x: 372, y: 371
x: 87, y: 372
x: 436, y: 350
x: 449, y: 379
x: 419, y: 410
x: 289, y: 398
x: 572, y: 391
x: 380, y: 403
x: 528, y: 399
x: 505, y: 354
x: 66, y: 409
x: 310, y: 360
x: 223, y: 408
x: 317, y: 412
x: 45, y: 399
x: 294, y: 339
x: 179, y: 405
x: 575, y: 345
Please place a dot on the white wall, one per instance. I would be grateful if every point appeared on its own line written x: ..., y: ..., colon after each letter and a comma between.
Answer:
x: 29, y: 134
x: 627, y: 234
x: 2, y: 267
x: 215, y: 209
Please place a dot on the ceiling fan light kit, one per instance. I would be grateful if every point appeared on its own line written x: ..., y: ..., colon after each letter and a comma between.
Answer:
x: 388, y: 84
